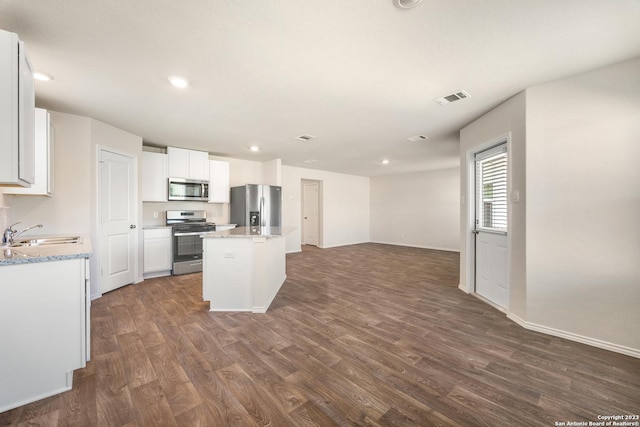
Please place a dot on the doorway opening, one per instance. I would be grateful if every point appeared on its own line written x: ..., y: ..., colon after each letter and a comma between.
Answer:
x: 311, y: 212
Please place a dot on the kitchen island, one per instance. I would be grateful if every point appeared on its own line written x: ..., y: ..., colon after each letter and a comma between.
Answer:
x: 243, y: 268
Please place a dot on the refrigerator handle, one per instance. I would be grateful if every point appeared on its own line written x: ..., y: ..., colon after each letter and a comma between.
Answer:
x: 262, y: 213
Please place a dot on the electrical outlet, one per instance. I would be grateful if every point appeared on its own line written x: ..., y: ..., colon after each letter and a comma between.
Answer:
x: 229, y: 254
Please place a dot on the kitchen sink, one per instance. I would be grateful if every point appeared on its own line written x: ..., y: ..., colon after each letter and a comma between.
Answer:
x: 43, y: 241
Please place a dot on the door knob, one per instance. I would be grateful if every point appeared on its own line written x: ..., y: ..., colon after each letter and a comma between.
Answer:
x: 132, y: 226
x: 475, y: 231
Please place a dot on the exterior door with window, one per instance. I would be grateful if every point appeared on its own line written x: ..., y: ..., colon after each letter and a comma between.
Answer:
x: 491, y: 203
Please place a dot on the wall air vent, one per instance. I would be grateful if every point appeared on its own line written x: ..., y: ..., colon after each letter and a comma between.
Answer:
x: 417, y: 138
x: 456, y: 96
x: 305, y: 137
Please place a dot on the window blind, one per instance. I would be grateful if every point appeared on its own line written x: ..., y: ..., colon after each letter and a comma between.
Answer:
x: 491, y: 189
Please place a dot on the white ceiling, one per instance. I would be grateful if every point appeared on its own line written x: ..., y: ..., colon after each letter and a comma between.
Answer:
x: 360, y: 75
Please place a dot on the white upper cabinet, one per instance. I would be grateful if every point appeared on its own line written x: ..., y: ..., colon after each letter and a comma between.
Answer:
x: 218, y: 181
x: 44, y: 137
x: 188, y: 164
x: 17, y: 106
x: 198, y: 165
x: 154, y: 177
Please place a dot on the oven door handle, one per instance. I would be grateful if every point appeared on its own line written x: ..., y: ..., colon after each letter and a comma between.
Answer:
x: 195, y: 233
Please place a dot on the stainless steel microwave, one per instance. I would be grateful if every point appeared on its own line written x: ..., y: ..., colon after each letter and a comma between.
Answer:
x: 188, y: 189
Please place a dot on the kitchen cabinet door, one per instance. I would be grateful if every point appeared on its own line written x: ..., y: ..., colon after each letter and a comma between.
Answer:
x: 17, y: 108
x: 44, y: 332
x: 218, y: 181
x: 178, y: 162
x: 44, y: 154
x: 188, y: 164
x: 154, y: 177
x: 158, y: 257
x: 199, y: 165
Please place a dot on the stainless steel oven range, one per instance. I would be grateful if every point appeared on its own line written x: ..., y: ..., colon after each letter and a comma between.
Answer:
x: 187, y: 226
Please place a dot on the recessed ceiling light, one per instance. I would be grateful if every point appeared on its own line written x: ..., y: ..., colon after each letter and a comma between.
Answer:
x: 385, y: 161
x: 406, y: 4
x: 44, y: 77
x: 179, y: 82
x: 310, y: 161
x: 254, y: 148
x: 305, y: 137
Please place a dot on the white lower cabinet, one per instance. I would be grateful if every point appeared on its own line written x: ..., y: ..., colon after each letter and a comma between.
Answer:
x: 157, y: 252
x: 44, y: 332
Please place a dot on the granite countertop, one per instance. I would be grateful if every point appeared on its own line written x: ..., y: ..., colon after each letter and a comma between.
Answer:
x: 45, y: 253
x: 250, y: 232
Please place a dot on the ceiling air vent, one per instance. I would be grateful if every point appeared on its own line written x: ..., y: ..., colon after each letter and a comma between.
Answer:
x: 456, y: 96
x: 305, y: 137
x: 417, y: 138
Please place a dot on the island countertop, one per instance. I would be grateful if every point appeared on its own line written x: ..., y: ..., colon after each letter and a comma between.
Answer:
x: 44, y: 253
x: 250, y: 232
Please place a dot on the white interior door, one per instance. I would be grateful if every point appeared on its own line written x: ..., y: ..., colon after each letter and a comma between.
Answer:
x: 491, y: 254
x: 117, y: 221
x: 310, y: 214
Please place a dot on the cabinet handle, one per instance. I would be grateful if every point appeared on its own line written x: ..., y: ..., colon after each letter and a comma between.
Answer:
x: 132, y: 226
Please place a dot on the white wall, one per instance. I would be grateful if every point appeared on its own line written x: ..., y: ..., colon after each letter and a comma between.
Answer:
x: 575, y: 234
x: 69, y: 210
x: 109, y: 137
x: 344, y: 206
x: 4, y: 213
x: 583, y: 204
x: 72, y: 208
x: 243, y: 172
x: 419, y: 209
x: 272, y: 172
x: 508, y: 118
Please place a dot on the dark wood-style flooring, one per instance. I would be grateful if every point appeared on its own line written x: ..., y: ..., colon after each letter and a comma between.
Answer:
x: 360, y: 335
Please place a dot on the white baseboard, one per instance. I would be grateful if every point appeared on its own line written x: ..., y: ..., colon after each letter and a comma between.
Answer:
x: 416, y: 246
x: 463, y: 289
x: 156, y: 274
x: 270, y: 300
x: 575, y: 337
x: 342, y: 244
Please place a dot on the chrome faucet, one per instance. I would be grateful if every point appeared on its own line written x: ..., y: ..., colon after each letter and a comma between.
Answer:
x: 10, y: 233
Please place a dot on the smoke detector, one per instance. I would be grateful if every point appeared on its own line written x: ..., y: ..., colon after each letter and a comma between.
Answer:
x: 406, y: 4
x: 456, y: 96
x: 305, y: 137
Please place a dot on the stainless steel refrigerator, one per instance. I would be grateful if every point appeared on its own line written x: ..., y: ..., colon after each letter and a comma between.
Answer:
x: 255, y: 205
